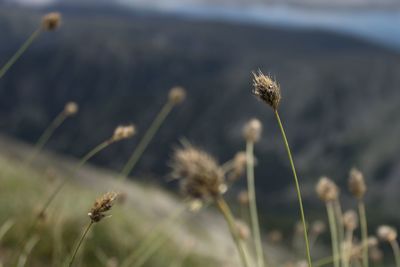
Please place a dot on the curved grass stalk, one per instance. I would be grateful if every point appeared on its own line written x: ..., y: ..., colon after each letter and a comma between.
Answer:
x: 396, y: 251
x: 226, y: 212
x: 364, y: 232
x: 145, y: 141
x: 27, y: 251
x: 5, y: 227
x: 19, y: 52
x: 296, y: 180
x: 153, y: 236
x: 253, y: 204
x: 79, y: 243
x: 333, y: 230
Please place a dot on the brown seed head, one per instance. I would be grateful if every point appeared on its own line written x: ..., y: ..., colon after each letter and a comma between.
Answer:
x: 350, y: 220
x: 71, y: 108
x: 252, y: 130
x: 242, y: 230
x: 177, y: 94
x: 266, y: 89
x: 387, y: 233
x: 372, y: 241
x: 275, y: 236
x: 101, y: 206
x: 238, y: 166
x: 327, y: 189
x: 318, y: 227
x: 357, y: 183
x: 202, y: 177
x: 51, y: 21
x: 243, y: 197
x: 375, y: 254
x: 123, y: 132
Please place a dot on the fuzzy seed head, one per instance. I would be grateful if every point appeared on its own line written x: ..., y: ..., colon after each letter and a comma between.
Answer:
x: 123, y: 132
x: 327, y: 189
x: 375, y: 254
x: 275, y: 236
x: 372, y: 241
x: 177, y: 94
x: 266, y: 89
x: 51, y: 21
x: 357, y: 184
x: 243, y: 198
x: 71, y: 108
x: 318, y: 227
x: 238, y: 166
x: 350, y: 220
x: 101, y: 206
x: 201, y: 176
x: 252, y: 130
x: 387, y: 233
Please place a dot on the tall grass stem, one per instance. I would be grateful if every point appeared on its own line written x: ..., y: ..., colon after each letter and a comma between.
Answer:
x: 334, y: 234
x: 79, y: 243
x: 364, y: 232
x: 396, y: 251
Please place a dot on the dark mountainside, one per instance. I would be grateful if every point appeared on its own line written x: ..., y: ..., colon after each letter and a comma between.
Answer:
x: 340, y: 95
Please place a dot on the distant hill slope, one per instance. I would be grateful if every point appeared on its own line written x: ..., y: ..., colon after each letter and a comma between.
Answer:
x: 340, y: 95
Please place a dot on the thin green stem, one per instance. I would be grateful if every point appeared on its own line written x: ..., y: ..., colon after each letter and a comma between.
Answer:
x: 346, y: 250
x: 396, y: 251
x: 333, y: 230
x: 145, y: 141
x: 253, y: 204
x: 71, y: 261
x: 296, y: 180
x: 19, y: 52
x: 46, y: 135
x: 5, y: 227
x: 226, y: 212
x: 364, y: 232
x: 339, y: 222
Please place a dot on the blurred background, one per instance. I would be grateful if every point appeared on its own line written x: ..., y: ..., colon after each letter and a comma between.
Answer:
x: 337, y: 62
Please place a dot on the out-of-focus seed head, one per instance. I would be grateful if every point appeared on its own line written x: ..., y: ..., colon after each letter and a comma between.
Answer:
x: 201, y: 176
x: 252, y: 130
x: 372, y: 241
x: 101, y: 206
x: 302, y: 263
x: 177, y: 95
x: 123, y: 132
x: 375, y: 254
x: 318, y: 227
x: 327, y: 190
x: 386, y: 233
x: 350, y: 220
x: 51, y: 21
x: 357, y: 184
x: 275, y: 236
x: 266, y: 89
x: 242, y: 230
x: 71, y: 108
x: 243, y: 198
x: 238, y: 166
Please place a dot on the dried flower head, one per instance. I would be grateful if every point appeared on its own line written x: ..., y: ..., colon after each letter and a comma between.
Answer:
x: 386, y: 233
x: 243, y: 197
x: 101, y: 206
x: 318, y: 227
x: 350, y: 220
x: 266, y: 89
x: 275, y: 236
x: 252, y: 130
x: 357, y: 183
x: 51, y: 21
x: 242, y: 230
x: 71, y: 108
x: 123, y: 132
x: 238, y: 166
x: 327, y: 189
x: 177, y: 94
x: 202, y: 177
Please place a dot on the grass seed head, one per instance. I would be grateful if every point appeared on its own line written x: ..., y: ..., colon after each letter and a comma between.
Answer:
x: 101, y: 206
x: 201, y: 176
x: 266, y: 89
x: 376, y: 255
x: 318, y: 227
x: 51, y: 21
x: 71, y: 108
x: 386, y: 233
x: 177, y: 95
x: 238, y: 166
x: 252, y: 130
x: 327, y: 189
x: 123, y: 132
x: 350, y: 220
x: 357, y: 184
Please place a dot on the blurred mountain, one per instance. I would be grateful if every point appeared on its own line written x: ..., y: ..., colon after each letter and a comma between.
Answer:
x: 340, y: 95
